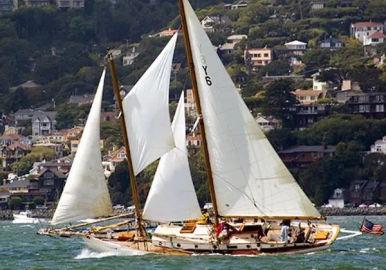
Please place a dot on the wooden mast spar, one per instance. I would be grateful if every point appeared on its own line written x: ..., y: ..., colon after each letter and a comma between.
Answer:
x: 133, y: 179
x: 188, y: 50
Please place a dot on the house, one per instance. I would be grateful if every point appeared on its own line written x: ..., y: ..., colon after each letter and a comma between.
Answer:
x: 258, y: 57
x: 374, y: 39
x: 317, y: 5
x: 368, y: 104
x: 303, y: 155
x: 43, y: 123
x: 50, y: 183
x: 36, y: 3
x: 370, y: 192
x: 379, y: 146
x: 337, y: 198
x: 23, y: 115
x: 8, y: 139
x: 267, y: 123
x: 296, y: 47
x: 62, y: 165
x: 331, y: 43
x: 111, y: 160
x: 70, y: 3
x: 318, y: 85
x: 193, y: 140
x: 7, y: 6
x: 356, y: 191
x: 363, y: 30
x: 236, y: 5
x: 190, y: 105
x: 307, y: 114
x: 167, y: 33
x: 309, y: 96
x: 85, y: 99
x: 12, y: 153
x: 4, y: 198
x: 234, y: 39
x: 128, y: 59
x: 209, y: 22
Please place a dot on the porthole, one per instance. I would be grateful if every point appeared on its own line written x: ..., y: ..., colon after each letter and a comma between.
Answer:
x: 214, y: 247
x: 178, y: 245
x: 195, y: 246
x: 248, y: 246
x: 160, y: 243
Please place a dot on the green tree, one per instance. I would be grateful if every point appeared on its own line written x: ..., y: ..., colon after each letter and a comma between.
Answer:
x: 15, y: 203
x: 280, y: 102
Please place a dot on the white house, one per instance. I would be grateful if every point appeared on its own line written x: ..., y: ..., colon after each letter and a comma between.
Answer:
x: 267, y: 123
x: 318, y: 85
x: 363, y: 30
x: 374, y: 39
x: 70, y: 3
x: 209, y: 22
x: 128, y: 59
x: 337, y: 199
x: 296, y: 46
x: 43, y: 123
x: 379, y: 146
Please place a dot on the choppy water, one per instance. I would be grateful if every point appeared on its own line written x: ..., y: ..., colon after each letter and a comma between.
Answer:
x: 21, y: 248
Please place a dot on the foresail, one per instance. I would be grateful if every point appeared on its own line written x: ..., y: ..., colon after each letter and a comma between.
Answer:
x: 146, y: 109
x: 249, y: 177
x: 85, y: 194
x: 172, y: 196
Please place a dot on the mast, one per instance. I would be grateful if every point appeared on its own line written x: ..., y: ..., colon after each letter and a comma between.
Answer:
x: 188, y: 50
x: 133, y: 179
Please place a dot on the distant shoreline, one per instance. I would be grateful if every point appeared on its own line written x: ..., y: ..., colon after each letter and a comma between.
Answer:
x: 380, y: 211
x: 365, y: 211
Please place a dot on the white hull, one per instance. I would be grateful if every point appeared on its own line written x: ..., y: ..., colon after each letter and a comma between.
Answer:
x: 23, y: 218
x: 110, y: 247
x: 168, y: 239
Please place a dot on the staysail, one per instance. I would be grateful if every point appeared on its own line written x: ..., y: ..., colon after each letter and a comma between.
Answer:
x: 85, y: 194
x: 249, y: 177
x: 172, y: 196
x: 146, y: 109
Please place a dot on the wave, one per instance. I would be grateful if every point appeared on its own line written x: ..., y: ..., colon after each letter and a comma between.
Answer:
x: 89, y: 254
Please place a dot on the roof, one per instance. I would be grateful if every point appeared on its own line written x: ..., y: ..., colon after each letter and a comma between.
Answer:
x: 237, y: 37
x: 377, y: 34
x: 366, y: 24
x: 14, y: 137
x: 331, y: 40
x: 307, y: 93
x: 19, y: 145
x: 309, y: 148
x: 227, y: 46
x: 259, y: 49
x: 84, y: 99
x: 295, y: 42
x: 40, y: 115
x: 18, y: 184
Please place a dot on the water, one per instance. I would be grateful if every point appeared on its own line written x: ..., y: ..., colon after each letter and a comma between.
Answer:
x: 21, y: 248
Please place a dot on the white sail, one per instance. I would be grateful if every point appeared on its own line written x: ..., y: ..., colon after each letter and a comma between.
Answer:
x: 85, y: 194
x: 172, y: 196
x: 249, y: 177
x: 146, y: 109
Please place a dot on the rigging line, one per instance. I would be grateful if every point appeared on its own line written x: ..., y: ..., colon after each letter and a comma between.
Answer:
x: 244, y: 194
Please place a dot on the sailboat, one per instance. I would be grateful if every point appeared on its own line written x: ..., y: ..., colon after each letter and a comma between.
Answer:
x: 258, y: 207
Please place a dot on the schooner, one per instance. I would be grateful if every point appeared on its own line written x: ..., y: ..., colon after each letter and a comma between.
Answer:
x: 256, y: 201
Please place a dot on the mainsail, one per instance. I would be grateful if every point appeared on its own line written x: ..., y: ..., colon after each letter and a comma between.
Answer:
x: 249, y: 177
x: 146, y: 112
x: 85, y: 194
x: 172, y: 196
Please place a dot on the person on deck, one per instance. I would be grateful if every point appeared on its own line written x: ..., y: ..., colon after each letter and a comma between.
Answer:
x: 284, y: 232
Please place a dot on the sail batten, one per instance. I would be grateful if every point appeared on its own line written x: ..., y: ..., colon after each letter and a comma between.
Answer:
x: 85, y: 194
x: 146, y: 109
x: 172, y: 196
x: 249, y: 177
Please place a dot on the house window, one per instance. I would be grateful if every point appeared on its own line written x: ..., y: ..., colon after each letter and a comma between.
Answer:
x: 266, y: 55
x: 379, y: 108
x: 259, y: 55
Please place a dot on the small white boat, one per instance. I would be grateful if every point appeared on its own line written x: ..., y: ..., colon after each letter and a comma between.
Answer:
x: 24, y: 218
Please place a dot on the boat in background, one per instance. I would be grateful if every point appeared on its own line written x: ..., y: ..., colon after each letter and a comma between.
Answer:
x: 25, y: 217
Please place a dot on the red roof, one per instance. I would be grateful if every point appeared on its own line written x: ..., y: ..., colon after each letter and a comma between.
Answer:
x: 367, y: 24
x: 377, y: 35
